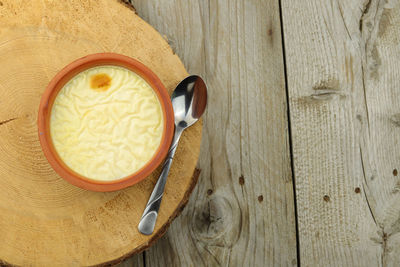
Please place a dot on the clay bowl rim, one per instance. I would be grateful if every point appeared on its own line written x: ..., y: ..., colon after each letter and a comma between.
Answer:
x: 58, y: 82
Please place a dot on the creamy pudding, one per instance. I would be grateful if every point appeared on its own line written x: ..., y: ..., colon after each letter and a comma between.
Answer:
x: 106, y: 123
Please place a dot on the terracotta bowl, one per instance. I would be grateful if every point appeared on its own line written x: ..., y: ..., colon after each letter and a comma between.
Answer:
x: 58, y: 82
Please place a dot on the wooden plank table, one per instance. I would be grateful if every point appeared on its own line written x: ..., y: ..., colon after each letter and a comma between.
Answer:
x: 241, y: 212
x: 301, y: 92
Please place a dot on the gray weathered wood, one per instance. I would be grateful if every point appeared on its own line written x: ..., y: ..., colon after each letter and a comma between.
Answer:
x: 242, y: 210
x: 342, y: 68
x: 134, y: 261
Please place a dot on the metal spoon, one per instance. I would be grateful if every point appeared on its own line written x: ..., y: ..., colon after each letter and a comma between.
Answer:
x: 189, y: 102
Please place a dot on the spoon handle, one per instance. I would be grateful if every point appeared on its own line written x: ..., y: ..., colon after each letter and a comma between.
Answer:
x: 149, y: 217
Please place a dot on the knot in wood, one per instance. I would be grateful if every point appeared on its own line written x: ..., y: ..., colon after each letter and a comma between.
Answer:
x: 216, y: 222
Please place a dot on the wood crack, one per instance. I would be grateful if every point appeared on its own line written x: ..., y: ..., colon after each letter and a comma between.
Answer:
x: 369, y: 37
x: 365, y: 11
x: 364, y: 191
x: 365, y: 96
x: 7, y: 121
x: 290, y: 135
x: 369, y: 205
x: 385, y: 238
x: 129, y: 4
x: 344, y: 22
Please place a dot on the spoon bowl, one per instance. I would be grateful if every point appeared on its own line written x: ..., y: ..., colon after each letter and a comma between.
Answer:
x: 189, y: 101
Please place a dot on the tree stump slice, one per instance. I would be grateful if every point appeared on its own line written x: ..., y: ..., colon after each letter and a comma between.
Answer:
x: 45, y: 221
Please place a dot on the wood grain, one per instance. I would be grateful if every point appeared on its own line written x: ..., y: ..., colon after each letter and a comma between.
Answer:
x: 342, y: 68
x: 242, y: 211
x: 134, y: 261
x: 45, y: 221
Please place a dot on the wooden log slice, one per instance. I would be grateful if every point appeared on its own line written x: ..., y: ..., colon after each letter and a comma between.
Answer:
x: 45, y: 221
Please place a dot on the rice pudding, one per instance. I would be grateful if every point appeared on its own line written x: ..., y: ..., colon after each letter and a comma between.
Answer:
x: 106, y: 123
